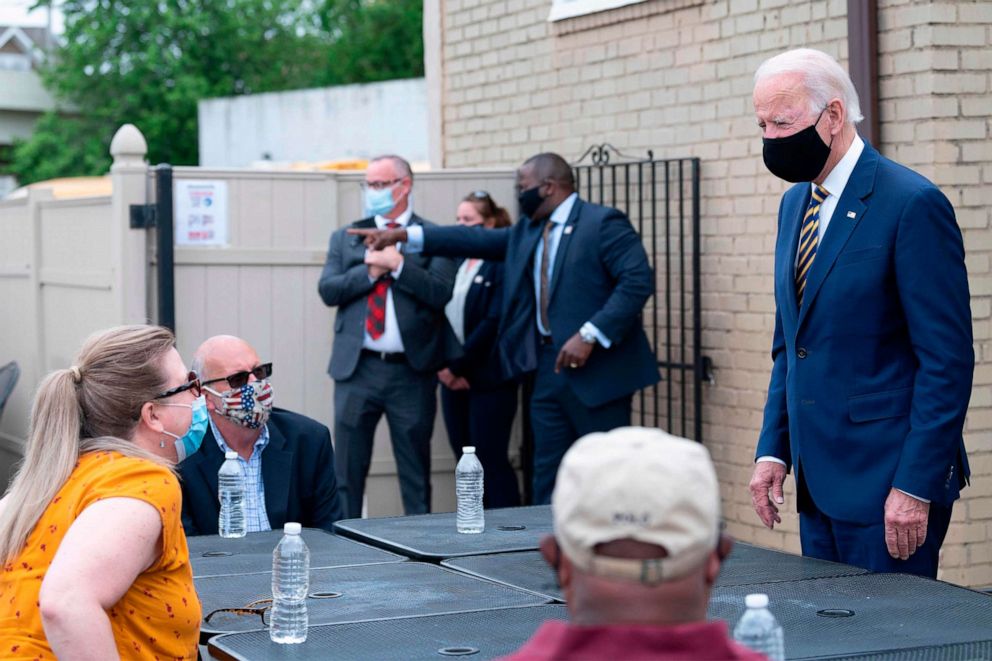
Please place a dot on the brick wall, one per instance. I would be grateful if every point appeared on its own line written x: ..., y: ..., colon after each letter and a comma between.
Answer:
x: 675, y: 76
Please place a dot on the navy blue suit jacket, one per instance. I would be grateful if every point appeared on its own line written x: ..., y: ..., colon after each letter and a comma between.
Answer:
x: 872, y: 377
x: 297, y: 471
x: 483, y: 304
x: 601, y: 274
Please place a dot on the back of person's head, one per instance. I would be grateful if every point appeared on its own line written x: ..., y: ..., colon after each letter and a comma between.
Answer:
x: 824, y: 78
x: 637, y: 520
x: 93, y: 405
x: 488, y: 209
x: 551, y: 166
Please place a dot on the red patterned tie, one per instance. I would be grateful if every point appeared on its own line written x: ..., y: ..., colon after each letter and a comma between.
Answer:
x: 375, y: 319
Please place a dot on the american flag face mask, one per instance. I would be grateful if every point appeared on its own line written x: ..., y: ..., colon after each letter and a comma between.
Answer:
x: 249, y: 405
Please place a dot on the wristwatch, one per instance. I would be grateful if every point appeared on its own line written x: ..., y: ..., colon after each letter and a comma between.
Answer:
x: 587, y: 335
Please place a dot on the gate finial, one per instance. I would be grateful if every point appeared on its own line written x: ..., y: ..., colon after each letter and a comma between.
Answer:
x: 128, y: 147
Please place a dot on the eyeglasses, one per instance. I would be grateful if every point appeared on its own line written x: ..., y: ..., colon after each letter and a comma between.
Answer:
x: 192, y: 383
x: 380, y: 185
x: 239, y: 379
x: 260, y: 607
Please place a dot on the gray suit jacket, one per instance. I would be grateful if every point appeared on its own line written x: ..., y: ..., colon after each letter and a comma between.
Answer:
x: 419, y: 296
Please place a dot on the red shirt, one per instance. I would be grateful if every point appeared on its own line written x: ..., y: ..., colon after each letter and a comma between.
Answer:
x: 632, y: 642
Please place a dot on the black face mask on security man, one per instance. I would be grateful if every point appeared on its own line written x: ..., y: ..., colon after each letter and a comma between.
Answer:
x: 529, y: 200
x: 797, y: 157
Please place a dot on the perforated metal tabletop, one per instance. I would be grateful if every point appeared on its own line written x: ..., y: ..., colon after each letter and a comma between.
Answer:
x: 367, y: 592
x: 211, y: 555
x: 479, y: 635
x: 871, y: 616
x: 747, y: 564
x: 433, y: 536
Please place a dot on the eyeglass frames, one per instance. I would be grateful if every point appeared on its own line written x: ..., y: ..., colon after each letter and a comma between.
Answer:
x: 239, y: 379
x: 192, y: 383
x: 380, y: 185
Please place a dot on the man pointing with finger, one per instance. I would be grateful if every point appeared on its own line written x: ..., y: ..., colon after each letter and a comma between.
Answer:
x: 872, y: 350
x: 576, y: 280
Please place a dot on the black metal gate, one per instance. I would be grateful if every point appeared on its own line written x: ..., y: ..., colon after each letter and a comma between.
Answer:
x: 661, y: 198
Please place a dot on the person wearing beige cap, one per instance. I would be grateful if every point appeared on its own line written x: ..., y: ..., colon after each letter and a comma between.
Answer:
x: 636, y: 548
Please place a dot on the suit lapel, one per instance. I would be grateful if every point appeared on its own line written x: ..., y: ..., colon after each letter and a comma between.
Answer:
x: 563, y: 244
x: 850, y: 208
x: 277, y: 462
x: 787, y: 272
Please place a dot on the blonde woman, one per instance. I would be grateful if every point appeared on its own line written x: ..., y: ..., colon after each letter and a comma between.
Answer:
x: 95, y: 563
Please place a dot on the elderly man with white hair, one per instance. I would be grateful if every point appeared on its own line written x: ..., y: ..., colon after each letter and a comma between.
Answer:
x: 872, y: 350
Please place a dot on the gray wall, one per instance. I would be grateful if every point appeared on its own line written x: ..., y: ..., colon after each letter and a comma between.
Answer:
x: 345, y: 122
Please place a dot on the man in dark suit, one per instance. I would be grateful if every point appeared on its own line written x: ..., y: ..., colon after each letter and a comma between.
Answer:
x: 390, y: 338
x: 286, y: 459
x: 576, y: 280
x: 872, y: 351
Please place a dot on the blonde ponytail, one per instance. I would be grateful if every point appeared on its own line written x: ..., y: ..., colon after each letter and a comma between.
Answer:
x: 89, y: 407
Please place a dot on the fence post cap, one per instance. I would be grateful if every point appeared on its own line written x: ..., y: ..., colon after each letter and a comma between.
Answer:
x: 128, y: 146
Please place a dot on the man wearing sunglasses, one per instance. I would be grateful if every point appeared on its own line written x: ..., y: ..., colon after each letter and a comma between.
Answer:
x: 286, y: 459
x: 390, y: 338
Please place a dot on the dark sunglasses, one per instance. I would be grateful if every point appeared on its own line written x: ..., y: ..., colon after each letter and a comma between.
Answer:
x: 239, y: 379
x: 192, y: 383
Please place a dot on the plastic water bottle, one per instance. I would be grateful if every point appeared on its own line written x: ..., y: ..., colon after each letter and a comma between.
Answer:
x: 470, y: 517
x: 759, y: 630
x: 231, y: 491
x: 290, y: 586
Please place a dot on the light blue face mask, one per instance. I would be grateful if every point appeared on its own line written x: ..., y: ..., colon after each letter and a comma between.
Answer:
x: 379, y: 202
x: 190, y: 442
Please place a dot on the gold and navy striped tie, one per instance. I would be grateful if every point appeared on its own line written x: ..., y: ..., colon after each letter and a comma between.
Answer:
x: 809, y: 238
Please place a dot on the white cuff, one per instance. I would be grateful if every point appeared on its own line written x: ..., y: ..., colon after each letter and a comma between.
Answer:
x: 768, y: 457
x: 414, y: 239
x: 922, y: 500
x: 588, y: 327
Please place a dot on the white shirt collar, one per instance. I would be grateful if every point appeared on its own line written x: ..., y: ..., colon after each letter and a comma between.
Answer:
x: 403, y: 219
x: 564, y: 210
x: 837, y: 179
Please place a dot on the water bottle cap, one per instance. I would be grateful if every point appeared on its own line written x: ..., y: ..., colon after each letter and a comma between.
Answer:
x: 757, y: 600
x: 292, y: 528
x: 230, y: 454
x: 468, y: 449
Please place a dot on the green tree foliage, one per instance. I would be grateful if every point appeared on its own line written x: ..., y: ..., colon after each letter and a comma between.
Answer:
x: 148, y: 62
x: 373, y: 40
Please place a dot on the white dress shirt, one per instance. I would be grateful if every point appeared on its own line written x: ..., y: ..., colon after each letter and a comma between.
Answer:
x: 455, y: 309
x: 390, y: 341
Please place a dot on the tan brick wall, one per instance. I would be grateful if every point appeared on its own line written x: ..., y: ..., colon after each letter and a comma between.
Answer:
x: 675, y: 76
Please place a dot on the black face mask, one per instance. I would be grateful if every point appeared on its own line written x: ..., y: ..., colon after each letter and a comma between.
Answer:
x: 529, y: 200
x: 797, y: 157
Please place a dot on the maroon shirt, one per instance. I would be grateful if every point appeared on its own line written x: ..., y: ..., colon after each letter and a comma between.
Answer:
x: 632, y: 642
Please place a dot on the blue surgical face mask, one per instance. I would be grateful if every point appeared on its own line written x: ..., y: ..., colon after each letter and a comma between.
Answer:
x: 379, y: 202
x: 190, y: 442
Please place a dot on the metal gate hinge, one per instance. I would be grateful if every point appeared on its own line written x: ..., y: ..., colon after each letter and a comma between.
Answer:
x: 143, y: 216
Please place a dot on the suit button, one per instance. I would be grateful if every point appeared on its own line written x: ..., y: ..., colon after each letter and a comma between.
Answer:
x: 801, y: 352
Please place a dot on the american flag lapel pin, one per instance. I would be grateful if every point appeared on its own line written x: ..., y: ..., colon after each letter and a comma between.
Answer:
x: 851, y: 214
x: 569, y: 228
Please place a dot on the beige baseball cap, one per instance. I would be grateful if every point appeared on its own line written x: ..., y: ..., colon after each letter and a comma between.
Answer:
x: 641, y: 484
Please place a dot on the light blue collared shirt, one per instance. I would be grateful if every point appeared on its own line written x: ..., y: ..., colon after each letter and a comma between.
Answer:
x: 415, y: 243
x: 256, y: 518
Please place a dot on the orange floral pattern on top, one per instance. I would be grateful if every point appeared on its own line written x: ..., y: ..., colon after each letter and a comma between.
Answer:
x: 159, y: 616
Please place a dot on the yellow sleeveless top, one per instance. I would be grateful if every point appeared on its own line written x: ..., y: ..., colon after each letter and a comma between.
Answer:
x: 159, y: 616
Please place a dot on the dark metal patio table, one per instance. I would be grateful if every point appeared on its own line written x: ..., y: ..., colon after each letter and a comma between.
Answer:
x: 358, y: 593
x: 474, y: 635
x: 870, y: 616
x: 211, y: 555
x: 432, y: 537
x: 527, y: 570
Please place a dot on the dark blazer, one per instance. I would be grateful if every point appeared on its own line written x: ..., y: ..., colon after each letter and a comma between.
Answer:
x: 419, y: 296
x: 297, y: 471
x: 483, y: 303
x: 601, y: 274
x: 872, y: 377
